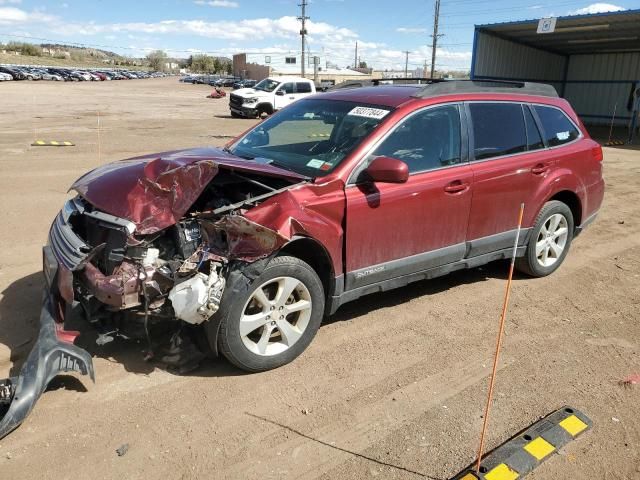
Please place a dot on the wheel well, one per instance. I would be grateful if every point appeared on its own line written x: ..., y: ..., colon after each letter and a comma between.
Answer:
x: 266, y: 108
x: 312, y: 252
x: 572, y: 201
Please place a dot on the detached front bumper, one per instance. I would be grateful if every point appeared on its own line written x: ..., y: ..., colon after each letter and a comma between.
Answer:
x: 52, y: 354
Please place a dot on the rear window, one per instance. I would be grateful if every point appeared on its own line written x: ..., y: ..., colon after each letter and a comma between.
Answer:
x: 558, y: 129
x: 498, y: 129
x: 303, y: 87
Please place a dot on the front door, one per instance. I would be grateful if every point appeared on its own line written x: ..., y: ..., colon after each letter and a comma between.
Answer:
x: 398, y: 229
x: 285, y: 94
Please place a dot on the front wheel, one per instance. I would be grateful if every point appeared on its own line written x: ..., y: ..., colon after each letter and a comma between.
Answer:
x: 271, y: 320
x: 549, y: 242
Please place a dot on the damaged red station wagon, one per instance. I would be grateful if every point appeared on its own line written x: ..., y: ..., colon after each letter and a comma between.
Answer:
x: 244, y: 250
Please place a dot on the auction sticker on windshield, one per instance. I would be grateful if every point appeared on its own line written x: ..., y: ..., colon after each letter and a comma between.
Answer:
x: 368, y: 112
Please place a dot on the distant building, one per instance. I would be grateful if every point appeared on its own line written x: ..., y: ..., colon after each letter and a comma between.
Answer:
x: 258, y: 66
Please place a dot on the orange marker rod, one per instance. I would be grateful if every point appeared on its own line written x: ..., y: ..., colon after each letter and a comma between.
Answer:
x: 496, y: 357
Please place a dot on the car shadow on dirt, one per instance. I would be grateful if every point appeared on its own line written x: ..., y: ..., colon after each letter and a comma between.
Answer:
x: 21, y: 301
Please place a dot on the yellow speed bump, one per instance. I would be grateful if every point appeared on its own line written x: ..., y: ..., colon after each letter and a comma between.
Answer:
x: 52, y: 143
x: 502, y: 472
x: 539, y: 448
x: 521, y: 454
x: 573, y: 425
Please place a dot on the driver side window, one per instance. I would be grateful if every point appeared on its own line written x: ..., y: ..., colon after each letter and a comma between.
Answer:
x: 427, y: 140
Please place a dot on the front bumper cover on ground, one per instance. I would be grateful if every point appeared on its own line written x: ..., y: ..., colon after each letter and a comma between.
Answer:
x: 52, y: 354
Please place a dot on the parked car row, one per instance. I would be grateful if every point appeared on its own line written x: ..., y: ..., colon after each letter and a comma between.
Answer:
x: 213, y: 80
x: 60, y: 74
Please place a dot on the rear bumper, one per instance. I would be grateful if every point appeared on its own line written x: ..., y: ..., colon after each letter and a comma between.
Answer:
x: 588, y: 221
x: 52, y: 354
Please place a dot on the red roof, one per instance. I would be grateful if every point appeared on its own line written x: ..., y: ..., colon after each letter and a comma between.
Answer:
x: 387, y: 95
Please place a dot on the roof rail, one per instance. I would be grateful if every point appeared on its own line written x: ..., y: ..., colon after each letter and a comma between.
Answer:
x: 486, y: 86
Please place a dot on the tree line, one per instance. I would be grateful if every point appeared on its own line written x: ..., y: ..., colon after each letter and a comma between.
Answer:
x: 200, y: 63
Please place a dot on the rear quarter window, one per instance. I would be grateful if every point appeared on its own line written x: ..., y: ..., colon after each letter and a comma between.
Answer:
x: 556, y: 126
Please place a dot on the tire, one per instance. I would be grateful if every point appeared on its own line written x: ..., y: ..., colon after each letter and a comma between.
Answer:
x: 265, y: 110
x: 236, y: 115
x: 267, y: 346
x: 549, y: 242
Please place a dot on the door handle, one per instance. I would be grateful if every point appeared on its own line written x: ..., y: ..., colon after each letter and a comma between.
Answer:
x: 539, y: 169
x: 456, y: 186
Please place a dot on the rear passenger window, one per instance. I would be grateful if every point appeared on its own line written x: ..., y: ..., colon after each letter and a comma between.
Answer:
x: 534, y: 139
x: 303, y: 87
x: 288, y: 88
x: 498, y: 129
x: 558, y: 129
x: 426, y: 140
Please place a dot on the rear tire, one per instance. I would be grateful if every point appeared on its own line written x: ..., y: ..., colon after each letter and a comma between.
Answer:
x: 549, y: 241
x: 268, y: 322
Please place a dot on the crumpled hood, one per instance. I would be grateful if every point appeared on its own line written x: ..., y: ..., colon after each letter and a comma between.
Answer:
x: 155, y: 191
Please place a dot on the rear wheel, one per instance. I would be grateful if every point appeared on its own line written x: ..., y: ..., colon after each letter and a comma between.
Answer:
x: 549, y: 242
x: 271, y: 320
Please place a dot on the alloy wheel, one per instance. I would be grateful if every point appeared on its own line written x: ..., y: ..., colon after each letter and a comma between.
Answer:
x: 552, y: 240
x: 275, y: 316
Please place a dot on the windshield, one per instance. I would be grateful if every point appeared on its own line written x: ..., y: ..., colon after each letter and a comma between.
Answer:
x: 311, y: 137
x: 267, y: 85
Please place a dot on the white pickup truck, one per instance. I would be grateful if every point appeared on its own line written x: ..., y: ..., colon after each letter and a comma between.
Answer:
x: 269, y: 95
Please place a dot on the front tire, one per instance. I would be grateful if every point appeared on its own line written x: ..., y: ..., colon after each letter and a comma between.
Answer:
x: 271, y: 320
x: 549, y: 241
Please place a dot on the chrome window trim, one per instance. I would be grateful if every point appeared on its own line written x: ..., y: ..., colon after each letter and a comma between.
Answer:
x: 351, y: 180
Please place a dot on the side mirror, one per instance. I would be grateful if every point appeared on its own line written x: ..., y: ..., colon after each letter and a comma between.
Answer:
x: 387, y: 170
x: 280, y: 93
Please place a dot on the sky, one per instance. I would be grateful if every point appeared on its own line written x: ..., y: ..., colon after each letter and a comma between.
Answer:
x: 384, y: 29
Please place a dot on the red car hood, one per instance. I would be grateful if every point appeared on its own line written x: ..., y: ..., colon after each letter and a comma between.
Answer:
x: 155, y: 191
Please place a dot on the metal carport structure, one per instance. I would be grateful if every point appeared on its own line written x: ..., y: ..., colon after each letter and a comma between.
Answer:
x: 592, y: 60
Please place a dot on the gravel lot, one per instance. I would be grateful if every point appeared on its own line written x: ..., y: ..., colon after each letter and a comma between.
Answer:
x: 393, y: 385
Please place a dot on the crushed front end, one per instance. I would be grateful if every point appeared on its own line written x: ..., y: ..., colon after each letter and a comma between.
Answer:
x: 150, y: 265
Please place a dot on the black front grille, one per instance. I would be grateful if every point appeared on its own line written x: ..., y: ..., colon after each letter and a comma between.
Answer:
x: 235, y: 100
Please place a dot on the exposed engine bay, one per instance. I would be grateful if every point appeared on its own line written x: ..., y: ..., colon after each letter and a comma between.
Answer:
x: 160, y: 287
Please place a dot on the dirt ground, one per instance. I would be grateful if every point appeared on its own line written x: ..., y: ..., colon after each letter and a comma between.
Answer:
x: 394, y: 384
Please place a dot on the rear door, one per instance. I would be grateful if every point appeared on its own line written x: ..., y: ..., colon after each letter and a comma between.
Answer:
x: 399, y: 229
x: 509, y: 164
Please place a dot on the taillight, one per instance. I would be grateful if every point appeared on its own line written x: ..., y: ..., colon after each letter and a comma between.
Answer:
x: 596, y: 153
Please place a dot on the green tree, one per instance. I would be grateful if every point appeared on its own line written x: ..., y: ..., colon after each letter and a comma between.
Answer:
x: 157, y: 60
x: 203, y: 64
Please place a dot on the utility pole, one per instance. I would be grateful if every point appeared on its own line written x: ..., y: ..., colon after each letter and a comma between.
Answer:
x: 303, y: 31
x: 435, y: 36
x: 406, y: 63
x: 355, y: 58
